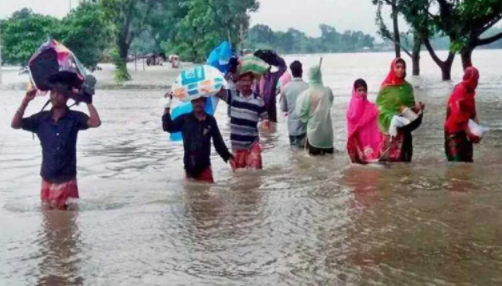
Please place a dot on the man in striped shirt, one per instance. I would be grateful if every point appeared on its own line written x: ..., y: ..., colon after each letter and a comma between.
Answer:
x: 246, y: 110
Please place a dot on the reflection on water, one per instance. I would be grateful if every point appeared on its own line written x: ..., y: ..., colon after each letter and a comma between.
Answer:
x: 60, y: 249
x: 300, y: 221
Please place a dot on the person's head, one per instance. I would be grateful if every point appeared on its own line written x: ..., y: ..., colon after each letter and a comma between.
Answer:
x: 198, y: 104
x: 400, y: 68
x: 245, y: 83
x: 361, y: 88
x: 471, y: 77
x: 315, y: 75
x: 296, y: 69
x: 60, y: 93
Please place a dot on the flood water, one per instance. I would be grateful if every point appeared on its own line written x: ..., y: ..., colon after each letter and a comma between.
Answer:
x: 300, y: 221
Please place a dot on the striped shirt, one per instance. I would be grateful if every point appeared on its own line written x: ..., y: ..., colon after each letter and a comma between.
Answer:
x: 245, y: 113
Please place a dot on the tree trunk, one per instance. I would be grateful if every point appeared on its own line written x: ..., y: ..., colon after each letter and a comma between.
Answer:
x: 121, y: 73
x: 446, y: 71
x: 466, y: 55
x: 395, y: 23
x: 416, y: 63
x: 415, y: 57
x: 445, y: 66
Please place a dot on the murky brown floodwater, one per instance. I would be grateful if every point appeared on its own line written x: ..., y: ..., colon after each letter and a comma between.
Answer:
x: 300, y: 221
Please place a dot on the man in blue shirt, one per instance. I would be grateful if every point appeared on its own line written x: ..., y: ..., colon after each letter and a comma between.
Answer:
x: 57, y: 131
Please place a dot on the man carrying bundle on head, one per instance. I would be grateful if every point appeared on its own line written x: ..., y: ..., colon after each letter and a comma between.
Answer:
x: 197, y: 128
x: 268, y: 83
x: 57, y: 130
x: 246, y: 110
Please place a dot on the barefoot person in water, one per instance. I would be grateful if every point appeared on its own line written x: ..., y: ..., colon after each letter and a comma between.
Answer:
x: 57, y: 130
x: 197, y: 129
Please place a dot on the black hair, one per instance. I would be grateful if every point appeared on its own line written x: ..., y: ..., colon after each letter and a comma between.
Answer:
x: 246, y: 74
x: 296, y: 69
x: 360, y: 83
x: 233, y: 64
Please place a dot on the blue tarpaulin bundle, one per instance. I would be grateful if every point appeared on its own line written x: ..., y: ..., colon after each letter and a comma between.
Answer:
x: 220, y: 59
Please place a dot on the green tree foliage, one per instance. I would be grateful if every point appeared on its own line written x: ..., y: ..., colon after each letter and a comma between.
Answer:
x: 294, y: 41
x: 466, y: 21
x: 202, y: 24
x: 129, y: 18
x: 23, y: 33
x: 86, y: 32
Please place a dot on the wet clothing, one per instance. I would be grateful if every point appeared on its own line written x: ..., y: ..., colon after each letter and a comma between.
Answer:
x: 461, y: 108
x: 197, y: 135
x: 298, y: 141
x: 204, y: 176
x: 364, y: 140
x: 59, y: 142
x: 250, y: 158
x: 290, y: 94
x: 245, y: 114
x: 268, y: 87
x: 319, y: 151
x: 313, y: 107
x: 394, y: 93
x: 57, y: 194
x: 458, y: 148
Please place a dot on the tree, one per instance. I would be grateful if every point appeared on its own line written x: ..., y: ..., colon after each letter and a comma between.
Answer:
x: 130, y: 18
x: 395, y: 36
x: 205, y: 23
x: 86, y: 33
x: 23, y: 33
x: 233, y: 16
x: 412, y: 40
x: 471, y: 19
x: 294, y: 41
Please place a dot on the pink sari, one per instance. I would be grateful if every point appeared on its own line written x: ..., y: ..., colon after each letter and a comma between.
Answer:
x: 364, y: 138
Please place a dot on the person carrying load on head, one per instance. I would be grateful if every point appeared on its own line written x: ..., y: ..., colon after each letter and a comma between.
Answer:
x: 268, y: 84
x: 198, y: 129
x: 57, y: 131
x: 247, y: 109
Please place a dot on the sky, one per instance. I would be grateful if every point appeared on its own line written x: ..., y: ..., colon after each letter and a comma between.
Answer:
x: 304, y: 15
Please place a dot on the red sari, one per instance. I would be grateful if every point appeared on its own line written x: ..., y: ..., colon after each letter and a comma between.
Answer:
x: 461, y: 108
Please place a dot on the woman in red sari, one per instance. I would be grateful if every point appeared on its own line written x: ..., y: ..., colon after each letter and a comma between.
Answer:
x: 461, y: 108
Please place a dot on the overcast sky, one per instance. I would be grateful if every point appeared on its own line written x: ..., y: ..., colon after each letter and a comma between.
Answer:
x: 304, y: 15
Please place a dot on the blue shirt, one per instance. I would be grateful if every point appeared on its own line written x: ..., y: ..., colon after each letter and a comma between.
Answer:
x: 59, y: 142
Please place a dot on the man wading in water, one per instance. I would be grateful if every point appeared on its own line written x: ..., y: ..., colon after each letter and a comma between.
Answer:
x: 197, y: 129
x: 57, y: 130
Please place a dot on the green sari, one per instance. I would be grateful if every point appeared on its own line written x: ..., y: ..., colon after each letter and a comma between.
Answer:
x: 389, y: 102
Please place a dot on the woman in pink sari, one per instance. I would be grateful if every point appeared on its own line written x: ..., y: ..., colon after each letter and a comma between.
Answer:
x: 364, y: 137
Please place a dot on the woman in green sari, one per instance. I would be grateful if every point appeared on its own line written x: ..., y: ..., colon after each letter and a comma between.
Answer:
x: 399, y: 115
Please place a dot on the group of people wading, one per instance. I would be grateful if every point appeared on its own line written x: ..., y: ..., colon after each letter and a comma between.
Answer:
x: 377, y: 132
